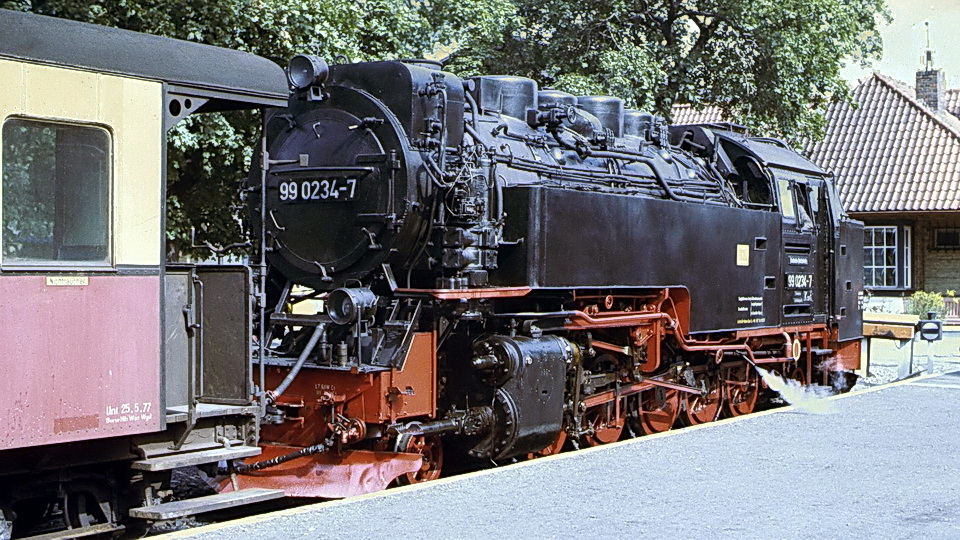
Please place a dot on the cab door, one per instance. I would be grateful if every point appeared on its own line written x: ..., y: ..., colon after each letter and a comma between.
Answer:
x: 804, y: 288
x: 846, y: 266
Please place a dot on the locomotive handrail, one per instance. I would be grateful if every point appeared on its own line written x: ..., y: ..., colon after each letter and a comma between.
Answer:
x: 586, y: 152
x: 292, y: 170
x: 457, y: 294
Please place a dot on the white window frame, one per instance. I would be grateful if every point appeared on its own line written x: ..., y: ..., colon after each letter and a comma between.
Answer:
x: 901, y: 249
x: 907, y: 271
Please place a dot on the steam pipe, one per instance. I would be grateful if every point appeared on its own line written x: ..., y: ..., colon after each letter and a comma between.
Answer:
x: 314, y: 338
x: 439, y: 177
x: 586, y: 152
x: 474, y: 110
x: 649, y: 163
x: 472, y: 130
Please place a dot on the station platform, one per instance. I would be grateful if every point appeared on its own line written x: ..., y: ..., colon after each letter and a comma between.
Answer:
x: 882, y: 463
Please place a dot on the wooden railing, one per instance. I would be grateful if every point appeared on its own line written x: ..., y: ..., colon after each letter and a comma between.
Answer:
x: 953, y: 310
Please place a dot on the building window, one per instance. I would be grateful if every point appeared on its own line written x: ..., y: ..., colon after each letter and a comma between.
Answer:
x: 55, y: 191
x: 907, y: 242
x: 886, y: 257
x: 946, y: 238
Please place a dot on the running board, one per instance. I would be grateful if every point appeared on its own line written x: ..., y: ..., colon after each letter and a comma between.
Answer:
x: 200, y: 505
x: 82, y: 532
x: 187, y: 459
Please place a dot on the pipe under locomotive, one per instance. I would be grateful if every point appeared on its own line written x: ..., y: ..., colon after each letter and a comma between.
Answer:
x: 499, y: 271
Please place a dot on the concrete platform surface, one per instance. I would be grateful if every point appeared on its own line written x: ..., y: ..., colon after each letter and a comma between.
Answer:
x: 884, y: 463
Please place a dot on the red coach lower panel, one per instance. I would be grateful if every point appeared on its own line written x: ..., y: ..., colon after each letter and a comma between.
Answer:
x: 79, y: 358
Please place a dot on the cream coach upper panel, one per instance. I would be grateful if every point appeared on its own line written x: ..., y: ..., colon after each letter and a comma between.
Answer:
x: 132, y: 110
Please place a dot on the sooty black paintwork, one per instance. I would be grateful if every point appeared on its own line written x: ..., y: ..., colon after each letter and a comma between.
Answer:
x: 582, y: 240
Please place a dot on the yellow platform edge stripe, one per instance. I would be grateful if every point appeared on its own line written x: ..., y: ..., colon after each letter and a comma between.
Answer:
x: 564, y: 455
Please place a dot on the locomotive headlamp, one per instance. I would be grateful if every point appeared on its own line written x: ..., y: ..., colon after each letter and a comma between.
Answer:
x: 345, y: 306
x: 307, y: 70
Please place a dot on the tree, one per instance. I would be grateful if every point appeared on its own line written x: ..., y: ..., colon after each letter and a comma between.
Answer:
x: 774, y: 64
x: 209, y: 155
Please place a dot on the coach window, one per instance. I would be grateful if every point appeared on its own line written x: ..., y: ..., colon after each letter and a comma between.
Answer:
x: 56, y: 194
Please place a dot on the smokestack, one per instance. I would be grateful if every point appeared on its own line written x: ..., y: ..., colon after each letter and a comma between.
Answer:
x: 930, y: 80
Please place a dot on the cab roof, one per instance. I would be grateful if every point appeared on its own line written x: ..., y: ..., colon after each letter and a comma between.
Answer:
x: 229, y: 79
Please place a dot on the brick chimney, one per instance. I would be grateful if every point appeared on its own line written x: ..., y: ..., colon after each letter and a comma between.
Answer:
x: 930, y: 86
x: 930, y: 80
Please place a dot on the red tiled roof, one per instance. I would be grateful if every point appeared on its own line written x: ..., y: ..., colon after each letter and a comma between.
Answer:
x: 687, y: 114
x: 891, y: 153
x: 952, y: 97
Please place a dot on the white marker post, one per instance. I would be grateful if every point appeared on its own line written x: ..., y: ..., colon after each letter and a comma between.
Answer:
x: 930, y: 330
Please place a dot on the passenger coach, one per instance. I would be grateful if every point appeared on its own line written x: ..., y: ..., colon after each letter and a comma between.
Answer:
x: 103, y: 352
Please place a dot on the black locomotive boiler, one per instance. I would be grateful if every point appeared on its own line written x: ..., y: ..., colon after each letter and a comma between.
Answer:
x: 497, y: 271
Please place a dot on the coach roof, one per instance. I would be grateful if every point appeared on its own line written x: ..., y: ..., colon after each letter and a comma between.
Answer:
x: 231, y: 79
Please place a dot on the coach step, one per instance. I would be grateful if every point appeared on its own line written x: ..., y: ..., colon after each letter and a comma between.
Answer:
x: 188, y: 459
x: 200, y: 505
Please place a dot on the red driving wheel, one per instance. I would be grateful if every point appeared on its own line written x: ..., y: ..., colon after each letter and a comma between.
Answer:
x: 700, y: 409
x: 606, y: 424
x: 430, y: 447
x: 656, y: 410
x: 741, y: 390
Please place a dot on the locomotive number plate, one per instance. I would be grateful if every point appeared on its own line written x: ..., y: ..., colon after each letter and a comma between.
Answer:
x: 328, y: 189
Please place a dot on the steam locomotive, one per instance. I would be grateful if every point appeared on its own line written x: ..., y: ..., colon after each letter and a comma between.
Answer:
x: 445, y: 272
x: 505, y: 271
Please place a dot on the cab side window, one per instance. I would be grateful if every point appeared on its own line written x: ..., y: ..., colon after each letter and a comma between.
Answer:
x: 786, y: 200
x: 798, y: 202
x: 55, y: 194
x: 804, y: 209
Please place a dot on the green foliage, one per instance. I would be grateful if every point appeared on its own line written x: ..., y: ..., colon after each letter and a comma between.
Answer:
x: 921, y: 302
x: 774, y: 64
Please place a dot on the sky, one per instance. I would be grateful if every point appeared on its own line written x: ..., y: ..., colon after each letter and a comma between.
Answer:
x: 904, y: 41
